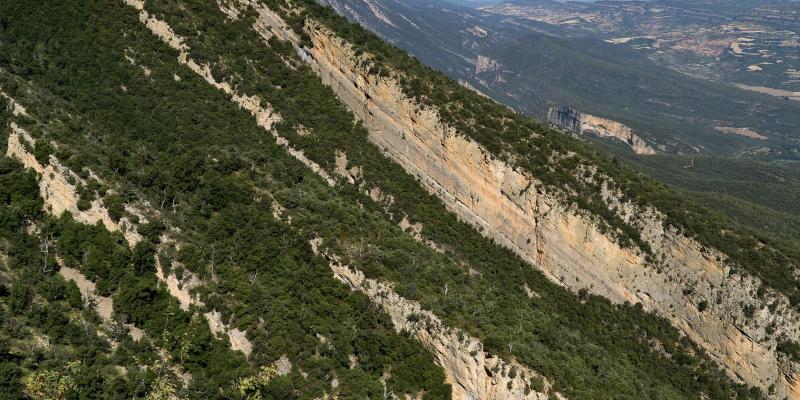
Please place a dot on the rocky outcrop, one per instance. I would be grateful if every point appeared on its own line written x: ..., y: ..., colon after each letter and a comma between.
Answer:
x: 181, y: 289
x: 102, y: 304
x: 581, y: 123
x: 691, y: 286
x: 16, y: 108
x: 237, y: 338
x: 472, y: 372
x: 265, y: 117
x: 59, y: 197
x: 59, y: 194
x: 485, y: 64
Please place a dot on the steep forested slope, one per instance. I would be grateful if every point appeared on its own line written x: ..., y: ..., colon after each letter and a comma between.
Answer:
x: 238, y: 187
x: 265, y: 276
x: 532, y: 147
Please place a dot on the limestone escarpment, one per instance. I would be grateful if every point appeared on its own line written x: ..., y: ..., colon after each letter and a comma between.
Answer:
x: 690, y: 285
x: 581, y: 123
x: 479, y: 375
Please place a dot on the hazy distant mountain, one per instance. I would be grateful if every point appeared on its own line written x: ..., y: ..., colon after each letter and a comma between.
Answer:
x: 752, y: 42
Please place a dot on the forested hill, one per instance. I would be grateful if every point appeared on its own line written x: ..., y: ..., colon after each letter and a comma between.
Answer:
x: 196, y: 203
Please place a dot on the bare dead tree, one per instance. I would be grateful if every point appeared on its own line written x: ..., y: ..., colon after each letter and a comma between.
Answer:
x: 46, y: 244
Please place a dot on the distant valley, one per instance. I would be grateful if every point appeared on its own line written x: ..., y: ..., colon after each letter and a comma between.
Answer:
x: 671, y: 91
x: 750, y: 43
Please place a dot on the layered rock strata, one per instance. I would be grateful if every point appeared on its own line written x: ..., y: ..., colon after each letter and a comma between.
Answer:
x: 483, y: 378
x: 61, y: 196
x: 264, y: 115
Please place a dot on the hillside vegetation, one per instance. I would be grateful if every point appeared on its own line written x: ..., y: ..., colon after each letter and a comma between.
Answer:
x: 753, y: 194
x: 229, y: 207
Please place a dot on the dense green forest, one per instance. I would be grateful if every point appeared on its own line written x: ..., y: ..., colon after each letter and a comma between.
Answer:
x: 276, y: 289
x: 166, y: 140
x: 36, y: 303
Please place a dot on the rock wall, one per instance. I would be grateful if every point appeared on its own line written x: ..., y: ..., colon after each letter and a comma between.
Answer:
x: 582, y: 123
x: 566, y: 245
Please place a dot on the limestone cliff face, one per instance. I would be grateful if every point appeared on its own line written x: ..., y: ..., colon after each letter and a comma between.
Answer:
x: 565, y: 244
x: 582, y: 123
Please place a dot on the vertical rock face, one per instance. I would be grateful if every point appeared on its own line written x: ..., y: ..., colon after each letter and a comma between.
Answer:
x: 568, y: 246
x: 565, y: 117
x: 581, y: 123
